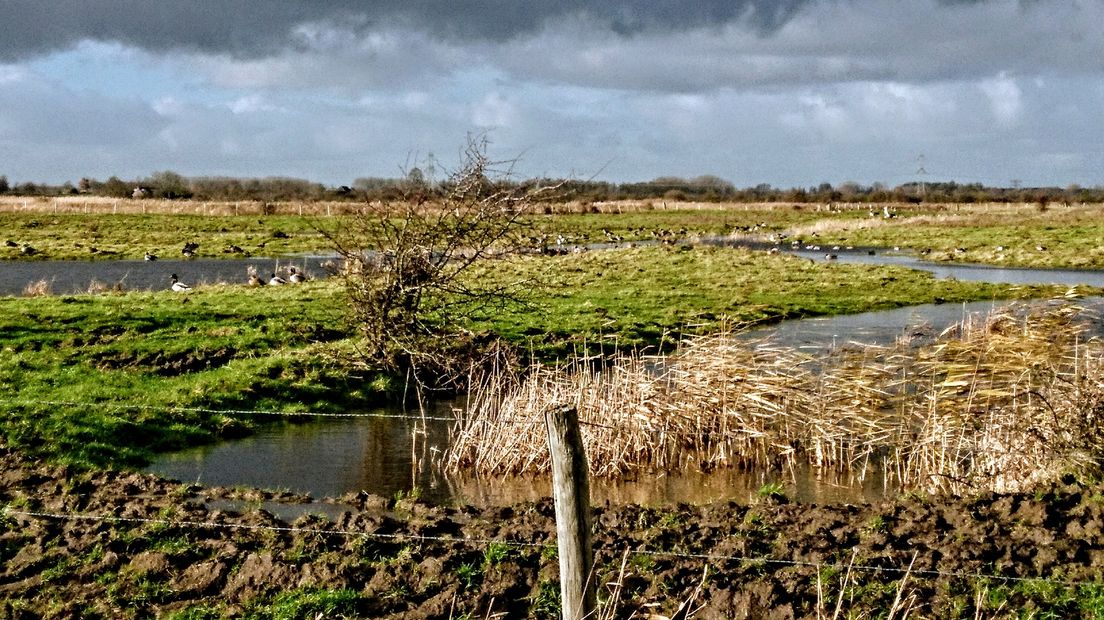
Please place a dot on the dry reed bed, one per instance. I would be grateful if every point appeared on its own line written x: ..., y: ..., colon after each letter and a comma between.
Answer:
x: 995, y: 404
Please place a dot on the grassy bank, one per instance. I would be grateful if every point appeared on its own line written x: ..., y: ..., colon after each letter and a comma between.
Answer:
x: 232, y: 347
x: 1009, y: 235
x: 646, y: 296
x: 220, y: 347
x: 131, y: 236
x: 1021, y: 235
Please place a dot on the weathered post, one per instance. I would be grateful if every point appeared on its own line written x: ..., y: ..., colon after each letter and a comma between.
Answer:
x: 571, y: 491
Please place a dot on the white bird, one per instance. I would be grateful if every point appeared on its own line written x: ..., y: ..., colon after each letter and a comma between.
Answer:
x: 150, y: 257
x: 296, y: 275
x: 179, y: 286
x: 276, y: 280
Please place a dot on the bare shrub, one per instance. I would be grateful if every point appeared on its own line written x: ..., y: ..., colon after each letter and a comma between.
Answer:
x: 405, y: 262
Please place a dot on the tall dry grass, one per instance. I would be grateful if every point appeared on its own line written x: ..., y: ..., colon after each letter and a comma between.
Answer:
x: 37, y: 288
x: 996, y: 404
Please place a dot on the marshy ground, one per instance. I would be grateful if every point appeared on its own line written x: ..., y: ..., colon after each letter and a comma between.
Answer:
x: 137, y: 546
x: 229, y: 347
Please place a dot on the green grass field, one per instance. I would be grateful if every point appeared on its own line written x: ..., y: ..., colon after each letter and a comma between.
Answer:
x: 1069, y: 235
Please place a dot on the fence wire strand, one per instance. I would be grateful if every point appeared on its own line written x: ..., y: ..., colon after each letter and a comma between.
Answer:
x: 402, y: 537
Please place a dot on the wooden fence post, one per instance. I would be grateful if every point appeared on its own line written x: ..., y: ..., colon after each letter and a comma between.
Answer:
x: 571, y: 491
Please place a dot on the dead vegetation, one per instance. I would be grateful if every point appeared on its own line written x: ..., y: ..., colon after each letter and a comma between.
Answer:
x: 998, y: 404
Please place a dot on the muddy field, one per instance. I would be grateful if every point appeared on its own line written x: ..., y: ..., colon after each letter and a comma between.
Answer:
x: 157, y: 550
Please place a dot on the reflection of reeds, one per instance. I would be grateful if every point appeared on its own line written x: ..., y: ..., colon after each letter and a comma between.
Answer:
x: 998, y: 404
x: 40, y: 288
x: 95, y: 287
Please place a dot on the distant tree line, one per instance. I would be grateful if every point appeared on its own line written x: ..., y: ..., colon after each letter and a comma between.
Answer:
x: 415, y: 184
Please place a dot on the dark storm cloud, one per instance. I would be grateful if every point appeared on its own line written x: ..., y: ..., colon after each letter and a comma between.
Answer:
x: 248, y: 28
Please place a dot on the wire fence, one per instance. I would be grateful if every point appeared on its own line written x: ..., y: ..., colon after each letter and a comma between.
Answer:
x: 485, y: 542
x: 707, y: 558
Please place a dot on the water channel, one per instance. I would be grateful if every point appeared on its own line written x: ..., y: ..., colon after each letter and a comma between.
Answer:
x: 334, y: 457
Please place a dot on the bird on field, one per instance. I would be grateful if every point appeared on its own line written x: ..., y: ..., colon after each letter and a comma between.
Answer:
x: 830, y: 257
x: 253, y: 279
x: 179, y: 286
x: 296, y: 276
x: 276, y: 280
x: 28, y: 250
x: 189, y: 250
x: 150, y: 257
x: 1040, y: 248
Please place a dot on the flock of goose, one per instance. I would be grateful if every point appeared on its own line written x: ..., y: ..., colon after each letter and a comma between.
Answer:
x: 189, y: 251
x: 294, y: 277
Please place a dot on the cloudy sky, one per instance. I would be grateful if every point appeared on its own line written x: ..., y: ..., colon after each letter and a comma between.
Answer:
x: 786, y: 92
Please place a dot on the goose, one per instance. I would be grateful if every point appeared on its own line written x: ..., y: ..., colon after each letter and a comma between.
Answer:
x: 179, y: 286
x: 830, y: 257
x: 150, y: 257
x: 296, y: 276
x: 253, y: 279
x: 276, y: 280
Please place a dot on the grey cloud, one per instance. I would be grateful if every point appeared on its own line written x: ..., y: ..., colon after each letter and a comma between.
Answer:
x: 831, y: 42
x: 246, y: 28
x: 33, y: 110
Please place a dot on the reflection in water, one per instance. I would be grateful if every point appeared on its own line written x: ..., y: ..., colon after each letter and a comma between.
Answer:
x: 322, y: 458
x: 692, y: 487
x: 332, y: 458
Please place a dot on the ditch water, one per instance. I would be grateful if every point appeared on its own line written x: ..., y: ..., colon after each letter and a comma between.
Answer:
x: 67, y: 277
x: 387, y: 456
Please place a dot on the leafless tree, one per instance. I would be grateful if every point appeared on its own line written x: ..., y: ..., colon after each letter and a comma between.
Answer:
x: 407, y: 266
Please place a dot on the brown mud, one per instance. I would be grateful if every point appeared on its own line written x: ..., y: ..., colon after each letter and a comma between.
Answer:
x: 157, y: 550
